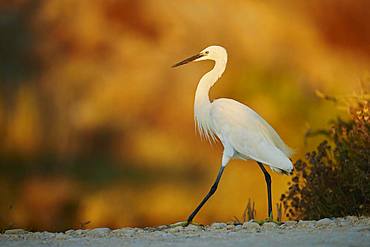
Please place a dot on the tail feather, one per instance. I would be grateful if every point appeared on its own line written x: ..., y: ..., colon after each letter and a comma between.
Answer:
x: 280, y: 171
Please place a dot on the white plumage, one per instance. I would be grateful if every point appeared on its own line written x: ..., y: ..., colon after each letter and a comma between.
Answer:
x: 243, y: 133
x: 247, y: 135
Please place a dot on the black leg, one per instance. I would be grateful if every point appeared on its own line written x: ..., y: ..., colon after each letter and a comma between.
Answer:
x: 205, y: 199
x: 268, y: 183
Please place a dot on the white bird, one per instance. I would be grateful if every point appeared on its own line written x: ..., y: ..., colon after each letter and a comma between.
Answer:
x: 243, y: 133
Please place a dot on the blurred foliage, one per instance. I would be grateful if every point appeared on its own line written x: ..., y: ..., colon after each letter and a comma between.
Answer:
x: 96, y: 127
x: 333, y: 180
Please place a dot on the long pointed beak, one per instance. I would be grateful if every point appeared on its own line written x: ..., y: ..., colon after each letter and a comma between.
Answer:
x: 188, y: 60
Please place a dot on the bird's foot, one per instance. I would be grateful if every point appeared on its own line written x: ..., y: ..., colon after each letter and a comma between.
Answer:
x: 184, y: 224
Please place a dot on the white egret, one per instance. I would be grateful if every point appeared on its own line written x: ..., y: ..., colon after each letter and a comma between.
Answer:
x: 243, y: 133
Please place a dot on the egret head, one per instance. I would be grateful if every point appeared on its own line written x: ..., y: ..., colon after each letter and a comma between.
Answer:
x: 214, y: 52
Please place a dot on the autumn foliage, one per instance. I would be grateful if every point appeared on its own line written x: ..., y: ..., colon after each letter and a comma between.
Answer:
x: 333, y: 180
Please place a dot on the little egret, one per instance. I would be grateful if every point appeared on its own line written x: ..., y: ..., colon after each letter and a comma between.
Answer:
x: 243, y: 133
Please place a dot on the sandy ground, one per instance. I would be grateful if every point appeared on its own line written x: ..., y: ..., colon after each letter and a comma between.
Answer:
x: 348, y: 231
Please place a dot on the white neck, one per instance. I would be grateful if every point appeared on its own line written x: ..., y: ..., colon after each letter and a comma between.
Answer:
x: 202, y: 102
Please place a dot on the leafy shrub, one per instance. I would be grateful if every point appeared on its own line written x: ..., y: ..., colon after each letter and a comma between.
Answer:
x: 334, y: 180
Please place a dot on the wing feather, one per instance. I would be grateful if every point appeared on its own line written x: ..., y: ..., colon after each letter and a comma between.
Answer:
x: 249, y: 134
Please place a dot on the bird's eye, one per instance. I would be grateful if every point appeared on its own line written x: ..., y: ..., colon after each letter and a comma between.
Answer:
x: 207, y: 52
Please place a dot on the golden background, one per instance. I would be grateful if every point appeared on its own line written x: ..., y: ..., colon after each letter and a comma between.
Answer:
x: 97, y: 129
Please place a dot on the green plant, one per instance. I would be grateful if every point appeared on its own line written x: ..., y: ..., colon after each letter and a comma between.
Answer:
x: 248, y: 214
x: 334, y: 179
x: 279, y: 212
x: 249, y: 211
